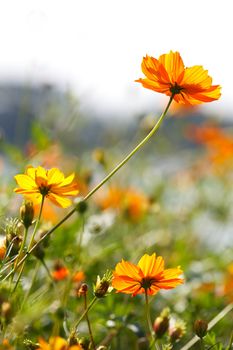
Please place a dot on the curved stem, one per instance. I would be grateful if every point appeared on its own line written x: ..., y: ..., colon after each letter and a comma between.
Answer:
x: 125, y: 160
x: 211, y: 324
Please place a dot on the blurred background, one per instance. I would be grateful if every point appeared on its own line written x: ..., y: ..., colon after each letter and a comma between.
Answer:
x: 68, y: 73
x: 68, y: 99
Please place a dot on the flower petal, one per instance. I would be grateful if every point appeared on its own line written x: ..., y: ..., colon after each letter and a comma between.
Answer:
x: 173, y: 65
x: 25, y: 181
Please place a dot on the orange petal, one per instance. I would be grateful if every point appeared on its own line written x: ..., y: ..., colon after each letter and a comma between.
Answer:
x: 125, y: 268
x: 173, y: 64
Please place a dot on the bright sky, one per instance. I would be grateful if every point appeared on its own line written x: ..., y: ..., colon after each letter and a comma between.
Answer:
x: 96, y: 46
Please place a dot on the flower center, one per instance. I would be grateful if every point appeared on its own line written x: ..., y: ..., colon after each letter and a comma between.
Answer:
x: 176, y: 89
x: 44, y: 190
x: 147, y: 282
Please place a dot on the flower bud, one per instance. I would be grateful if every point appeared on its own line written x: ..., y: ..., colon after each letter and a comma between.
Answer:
x: 103, y: 285
x: 81, y: 206
x: 84, y: 342
x: 177, y: 331
x: 6, y: 309
x: 161, y: 323
x: 161, y: 326
x: 82, y: 290
x: 200, y: 328
x: 99, y: 156
x: 14, y: 231
x: 73, y: 340
x: 27, y: 214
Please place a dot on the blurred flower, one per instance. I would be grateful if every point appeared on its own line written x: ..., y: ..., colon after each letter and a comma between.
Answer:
x: 2, y: 247
x: 168, y: 75
x: 98, y: 224
x: 148, y: 276
x: 131, y: 202
x: 219, y: 145
x: 99, y: 156
x: 177, y: 330
x: 52, y: 184
x: 57, y: 343
x: 60, y: 272
x: 228, y: 283
x: 5, y: 345
x: 79, y: 276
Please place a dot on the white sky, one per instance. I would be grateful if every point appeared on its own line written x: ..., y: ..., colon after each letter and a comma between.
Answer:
x: 96, y: 46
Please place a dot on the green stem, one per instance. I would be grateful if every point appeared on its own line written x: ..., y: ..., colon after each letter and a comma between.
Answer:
x: 29, y: 246
x: 84, y: 313
x: 36, y: 225
x: 20, y: 252
x: 149, y: 323
x: 130, y: 155
x: 48, y: 272
x: 88, y: 323
x: 211, y: 324
x: 125, y: 160
x: 230, y: 341
x: 32, y: 282
x: 202, y: 344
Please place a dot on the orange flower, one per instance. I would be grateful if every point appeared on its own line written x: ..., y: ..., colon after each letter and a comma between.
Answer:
x: 52, y: 184
x: 131, y: 202
x: 57, y: 343
x: 168, y: 75
x: 228, y: 283
x: 218, y: 143
x: 60, y: 272
x: 135, y: 204
x: 79, y: 276
x: 148, y: 276
x: 2, y: 248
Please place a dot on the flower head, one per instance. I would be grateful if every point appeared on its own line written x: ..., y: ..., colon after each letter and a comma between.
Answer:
x: 52, y: 184
x: 60, y: 272
x: 103, y: 285
x: 57, y: 343
x: 148, y: 276
x: 131, y: 202
x: 169, y: 76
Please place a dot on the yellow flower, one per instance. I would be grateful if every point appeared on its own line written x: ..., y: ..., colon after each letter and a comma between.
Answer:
x: 168, y: 75
x: 52, y: 184
x: 148, y: 276
x: 57, y: 343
